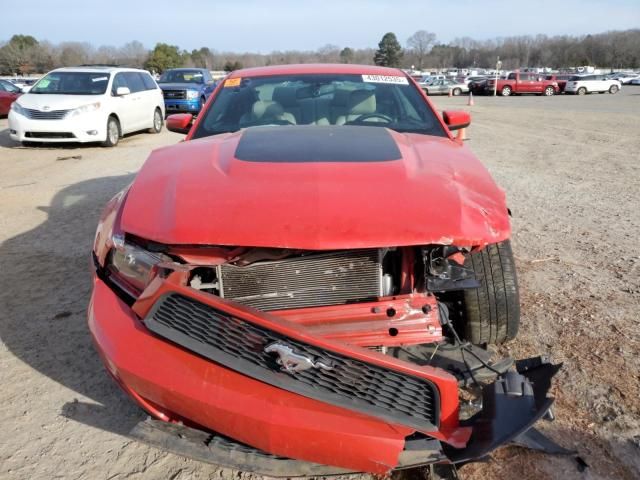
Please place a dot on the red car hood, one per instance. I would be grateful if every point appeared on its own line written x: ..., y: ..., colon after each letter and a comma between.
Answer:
x: 199, y: 192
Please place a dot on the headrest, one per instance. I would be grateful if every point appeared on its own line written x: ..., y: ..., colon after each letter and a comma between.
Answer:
x: 266, y: 109
x: 362, y: 102
x: 341, y: 98
x: 285, y: 96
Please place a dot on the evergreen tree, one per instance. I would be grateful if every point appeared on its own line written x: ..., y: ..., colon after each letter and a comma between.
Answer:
x: 389, y: 53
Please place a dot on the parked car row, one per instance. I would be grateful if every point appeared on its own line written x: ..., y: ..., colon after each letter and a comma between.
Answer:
x: 516, y: 83
x: 100, y: 103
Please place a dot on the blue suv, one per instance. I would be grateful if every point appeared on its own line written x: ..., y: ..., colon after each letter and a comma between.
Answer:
x: 186, y: 89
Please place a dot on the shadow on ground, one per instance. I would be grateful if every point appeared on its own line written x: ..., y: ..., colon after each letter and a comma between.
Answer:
x: 44, y: 291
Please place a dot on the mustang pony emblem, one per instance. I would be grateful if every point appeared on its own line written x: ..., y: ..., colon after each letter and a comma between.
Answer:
x: 293, y: 362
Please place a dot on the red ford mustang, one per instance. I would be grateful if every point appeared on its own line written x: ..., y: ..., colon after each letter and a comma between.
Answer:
x: 304, y: 286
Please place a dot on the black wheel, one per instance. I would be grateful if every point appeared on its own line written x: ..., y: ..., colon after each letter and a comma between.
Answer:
x: 113, y: 133
x: 549, y: 92
x: 456, y: 92
x: 492, y: 311
x: 506, y: 91
x: 582, y: 91
x: 158, y: 121
x: 613, y: 89
x: 426, y: 91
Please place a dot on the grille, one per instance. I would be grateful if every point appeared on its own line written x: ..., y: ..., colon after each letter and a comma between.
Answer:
x: 314, y: 280
x: 239, y: 345
x: 50, y: 115
x: 174, y: 94
x: 49, y: 135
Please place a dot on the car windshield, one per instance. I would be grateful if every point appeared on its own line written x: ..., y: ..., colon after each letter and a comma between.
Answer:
x: 319, y: 99
x: 8, y: 87
x: 72, y: 83
x: 182, y: 76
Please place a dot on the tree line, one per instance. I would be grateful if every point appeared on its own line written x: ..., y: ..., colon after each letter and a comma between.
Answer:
x: 24, y: 54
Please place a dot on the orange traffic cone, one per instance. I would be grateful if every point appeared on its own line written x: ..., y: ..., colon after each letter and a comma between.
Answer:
x: 450, y: 94
x: 470, y: 102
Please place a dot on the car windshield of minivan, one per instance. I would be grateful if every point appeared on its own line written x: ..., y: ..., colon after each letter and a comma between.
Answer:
x: 319, y: 99
x: 72, y: 83
x: 182, y: 76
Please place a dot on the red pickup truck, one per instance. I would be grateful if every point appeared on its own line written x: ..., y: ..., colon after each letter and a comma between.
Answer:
x: 517, y: 83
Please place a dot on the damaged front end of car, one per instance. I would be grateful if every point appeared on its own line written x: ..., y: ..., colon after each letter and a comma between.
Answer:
x: 292, y: 362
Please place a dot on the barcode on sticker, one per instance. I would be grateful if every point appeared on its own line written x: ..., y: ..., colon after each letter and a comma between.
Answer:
x: 385, y: 79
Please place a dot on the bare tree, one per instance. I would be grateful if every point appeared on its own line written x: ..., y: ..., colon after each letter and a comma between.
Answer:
x: 420, y: 44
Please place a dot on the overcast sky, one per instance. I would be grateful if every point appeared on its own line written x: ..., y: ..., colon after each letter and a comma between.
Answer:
x: 262, y: 26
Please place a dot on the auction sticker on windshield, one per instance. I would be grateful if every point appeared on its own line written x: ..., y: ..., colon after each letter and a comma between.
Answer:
x: 385, y: 79
x: 232, y: 82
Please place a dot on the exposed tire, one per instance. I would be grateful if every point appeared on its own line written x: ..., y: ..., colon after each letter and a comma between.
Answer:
x: 158, y: 121
x: 456, y: 92
x: 492, y: 311
x: 549, y: 92
x: 506, y: 91
x: 113, y: 132
x: 582, y: 91
x: 613, y: 89
x: 426, y: 91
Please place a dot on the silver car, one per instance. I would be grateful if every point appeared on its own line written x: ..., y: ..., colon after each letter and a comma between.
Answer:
x: 443, y: 87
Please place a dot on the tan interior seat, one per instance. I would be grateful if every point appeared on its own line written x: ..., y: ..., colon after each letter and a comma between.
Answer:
x: 286, y: 96
x: 361, y: 102
x: 265, y: 110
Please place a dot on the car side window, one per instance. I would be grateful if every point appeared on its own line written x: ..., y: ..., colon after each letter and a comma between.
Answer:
x: 134, y: 81
x: 149, y: 84
x: 118, y: 81
x: 2, y: 89
x: 512, y: 76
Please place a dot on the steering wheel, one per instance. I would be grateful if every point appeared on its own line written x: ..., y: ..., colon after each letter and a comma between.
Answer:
x: 367, y: 116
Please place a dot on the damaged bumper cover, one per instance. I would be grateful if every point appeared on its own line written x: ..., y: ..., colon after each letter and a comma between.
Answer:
x: 351, y: 408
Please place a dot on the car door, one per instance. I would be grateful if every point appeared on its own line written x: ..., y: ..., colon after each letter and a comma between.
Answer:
x: 151, y: 98
x: 123, y: 105
x: 142, y: 112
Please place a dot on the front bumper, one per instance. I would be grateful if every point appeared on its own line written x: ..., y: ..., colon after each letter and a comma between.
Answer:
x: 182, y: 106
x: 176, y: 385
x: 90, y: 127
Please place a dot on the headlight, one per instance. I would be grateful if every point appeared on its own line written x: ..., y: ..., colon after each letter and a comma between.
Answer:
x: 90, y: 107
x: 192, y: 94
x: 16, y: 107
x: 132, y: 266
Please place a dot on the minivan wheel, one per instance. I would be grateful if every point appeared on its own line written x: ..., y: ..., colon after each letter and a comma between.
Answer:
x: 613, y: 89
x: 157, y: 122
x: 113, y: 133
x: 582, y: 91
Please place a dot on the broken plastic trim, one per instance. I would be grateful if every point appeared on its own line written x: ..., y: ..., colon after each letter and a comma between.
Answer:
x: 511, y: 406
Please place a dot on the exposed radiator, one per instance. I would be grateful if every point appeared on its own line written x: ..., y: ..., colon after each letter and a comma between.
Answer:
x: 311, y: 280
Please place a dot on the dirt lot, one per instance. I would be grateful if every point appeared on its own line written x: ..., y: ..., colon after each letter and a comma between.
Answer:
x: 571, y: 169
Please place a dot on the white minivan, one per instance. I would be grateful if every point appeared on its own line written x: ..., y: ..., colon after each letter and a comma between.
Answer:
x: 87, y: 104
x: 583, y: 84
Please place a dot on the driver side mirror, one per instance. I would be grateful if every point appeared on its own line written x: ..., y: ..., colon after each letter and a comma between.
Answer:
x: 122, y: 91
x: 179, y: 123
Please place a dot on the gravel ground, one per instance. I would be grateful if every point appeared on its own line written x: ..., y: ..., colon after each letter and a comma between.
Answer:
x: 570, y: 166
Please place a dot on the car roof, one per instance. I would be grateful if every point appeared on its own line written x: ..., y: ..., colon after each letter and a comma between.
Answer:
x: 97, y: 68
x: 310, y: 68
